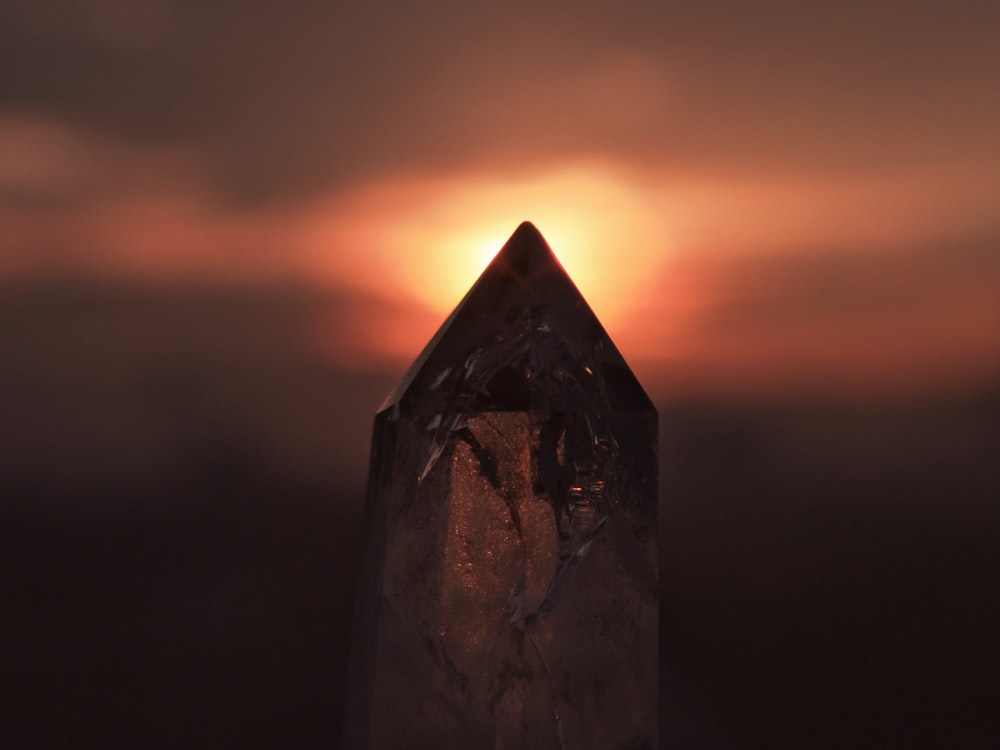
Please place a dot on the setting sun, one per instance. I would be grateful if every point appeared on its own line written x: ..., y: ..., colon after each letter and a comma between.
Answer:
x: 609, y: 236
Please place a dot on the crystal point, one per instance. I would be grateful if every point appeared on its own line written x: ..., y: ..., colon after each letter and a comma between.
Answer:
x: 508, y: 596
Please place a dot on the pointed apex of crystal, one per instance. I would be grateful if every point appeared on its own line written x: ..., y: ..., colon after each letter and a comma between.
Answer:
x: 526, y: 253
x: 522, y: 335
x: 526, y: 228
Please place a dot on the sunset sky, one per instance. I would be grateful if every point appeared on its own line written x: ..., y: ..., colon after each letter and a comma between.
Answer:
x: 228, y: 226
x: 758, y: 198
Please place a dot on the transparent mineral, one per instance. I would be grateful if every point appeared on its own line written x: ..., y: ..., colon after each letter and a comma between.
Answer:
x: 508, y: 595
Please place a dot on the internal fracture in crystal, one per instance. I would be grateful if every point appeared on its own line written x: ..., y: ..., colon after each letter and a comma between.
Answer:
x: 509, y: 592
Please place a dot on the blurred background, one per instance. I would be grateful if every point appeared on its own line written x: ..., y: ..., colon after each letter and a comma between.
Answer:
x: 226, y: 228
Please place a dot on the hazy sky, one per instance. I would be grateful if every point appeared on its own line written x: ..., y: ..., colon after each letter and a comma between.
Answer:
x: 752, y: 195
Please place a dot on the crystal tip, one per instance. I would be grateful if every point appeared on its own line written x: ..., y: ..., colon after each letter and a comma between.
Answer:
x: 526, y: 230
x: 526, y: 253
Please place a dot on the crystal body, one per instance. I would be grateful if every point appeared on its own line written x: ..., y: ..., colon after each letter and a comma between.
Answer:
x: 508, y: 596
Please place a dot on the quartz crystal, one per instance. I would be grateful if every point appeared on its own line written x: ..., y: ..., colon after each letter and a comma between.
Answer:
x: 508, y: 593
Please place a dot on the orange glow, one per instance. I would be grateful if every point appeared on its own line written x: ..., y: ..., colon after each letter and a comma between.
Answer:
x: 705, y: 280
x: 608, y: 234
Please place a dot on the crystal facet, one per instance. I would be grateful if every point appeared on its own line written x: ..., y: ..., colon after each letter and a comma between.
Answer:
x: 508, y: 596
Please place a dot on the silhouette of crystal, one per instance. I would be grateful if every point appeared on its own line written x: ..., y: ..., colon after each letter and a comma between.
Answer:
x: 508, y: 597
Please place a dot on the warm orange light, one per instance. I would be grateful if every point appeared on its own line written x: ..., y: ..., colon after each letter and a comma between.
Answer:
x: 430, y: 239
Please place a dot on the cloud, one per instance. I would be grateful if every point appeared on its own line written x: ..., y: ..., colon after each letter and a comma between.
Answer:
x: 279, y: 103
x: 74, y: 201
x: 825, y: 320
x: 813, y: 152
x: 865, y: 281
x: 48, y: 163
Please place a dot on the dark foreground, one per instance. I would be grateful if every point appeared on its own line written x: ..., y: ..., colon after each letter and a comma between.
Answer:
x: 180, y: 490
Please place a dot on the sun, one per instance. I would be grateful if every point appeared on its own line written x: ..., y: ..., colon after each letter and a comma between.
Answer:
x: 425, y: 241
x: 609, y: 240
